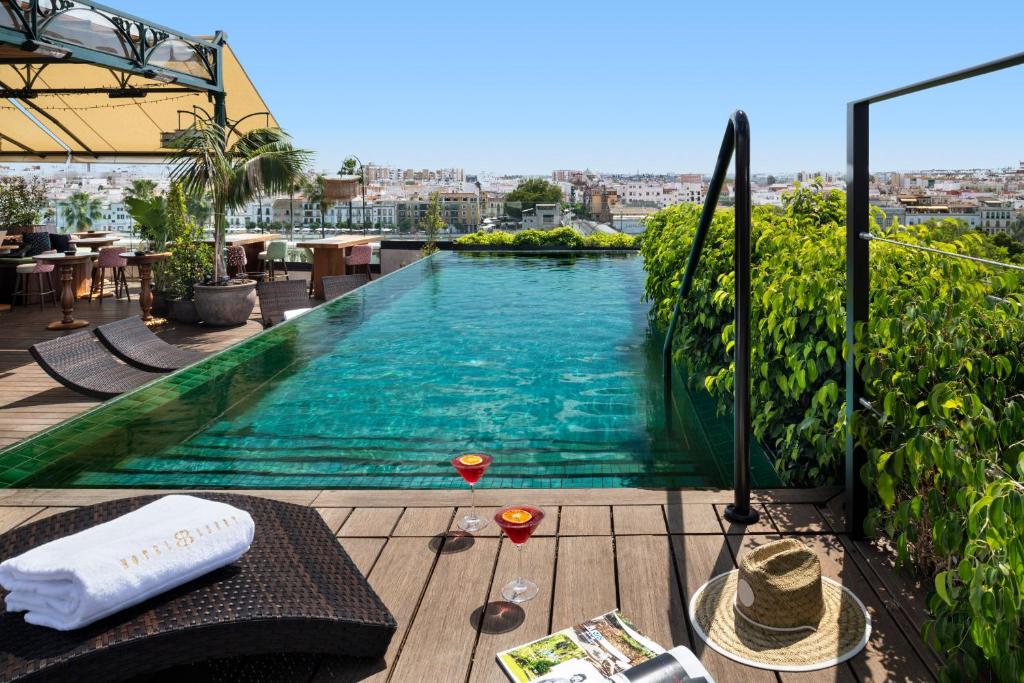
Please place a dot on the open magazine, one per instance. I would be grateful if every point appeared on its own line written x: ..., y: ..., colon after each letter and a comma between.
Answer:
x: 606, y: 648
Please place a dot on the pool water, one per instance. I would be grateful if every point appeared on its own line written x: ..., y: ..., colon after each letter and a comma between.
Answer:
x: 548, y: 363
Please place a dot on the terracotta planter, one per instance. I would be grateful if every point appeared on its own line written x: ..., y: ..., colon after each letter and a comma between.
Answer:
x: 225, y: 305
x: 183, y: 311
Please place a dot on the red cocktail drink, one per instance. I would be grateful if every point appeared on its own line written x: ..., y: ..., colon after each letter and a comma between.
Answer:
x: 519, y: 522
x: 472, y: 467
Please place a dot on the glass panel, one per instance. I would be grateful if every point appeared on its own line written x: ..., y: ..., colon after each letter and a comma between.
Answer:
x: 177, y: 55
x: 87, y: 29
x: 8, y: 18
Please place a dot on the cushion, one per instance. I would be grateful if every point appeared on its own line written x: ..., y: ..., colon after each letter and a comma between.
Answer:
x: 34, y: 243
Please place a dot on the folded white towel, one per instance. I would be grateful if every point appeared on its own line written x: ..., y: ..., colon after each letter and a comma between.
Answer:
x: 76, y: 580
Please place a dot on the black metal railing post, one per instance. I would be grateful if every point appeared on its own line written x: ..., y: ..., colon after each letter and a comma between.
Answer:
x: 736, y: 139
x: 858, y: 256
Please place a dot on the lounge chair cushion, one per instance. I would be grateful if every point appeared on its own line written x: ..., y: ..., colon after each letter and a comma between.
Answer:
x: 295, y: 591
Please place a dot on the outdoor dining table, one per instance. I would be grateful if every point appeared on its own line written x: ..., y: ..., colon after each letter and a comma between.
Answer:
x: 329, y: 256
x: 252, y: 242
x: 95, y: 243
x: 93, y: 233
x: 66, y: 267
x: 145, y: 262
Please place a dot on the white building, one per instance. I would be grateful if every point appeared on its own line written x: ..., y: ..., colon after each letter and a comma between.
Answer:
x: 542, y: 217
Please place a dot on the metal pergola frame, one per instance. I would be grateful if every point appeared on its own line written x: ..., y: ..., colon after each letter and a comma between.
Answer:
x: 858, y: 262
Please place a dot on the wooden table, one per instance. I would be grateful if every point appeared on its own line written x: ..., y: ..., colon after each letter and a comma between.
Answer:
x: 66, y: 266
x: 329, y: 256
x: 145, y: 265
x: 252, y: 242
x: 93, y: 233
x: 95, y: 243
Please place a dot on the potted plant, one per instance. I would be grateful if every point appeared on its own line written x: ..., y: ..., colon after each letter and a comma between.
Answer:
x: 260, y: 162
x: 190, y: 262
x: 21, y: 202
x: 149, y: 211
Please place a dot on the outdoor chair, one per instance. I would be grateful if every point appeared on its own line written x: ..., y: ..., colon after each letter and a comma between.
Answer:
x: 110, y: 258
x: 295, y: 593
x: 277, y: 252
x: 25, y: 271
x: 361, y: 255
x: 80, y: 362
x: 61, y: 242
x: 33, y: 244
x: 135, y: 344
x: 278, y: 297
x: 336, y: 285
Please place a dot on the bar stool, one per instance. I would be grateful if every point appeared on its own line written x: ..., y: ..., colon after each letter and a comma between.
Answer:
x: 25, y: 271
x: 236, y: 258
x: 276, y: 251
x: 361, y: 255
x: 110, y: 257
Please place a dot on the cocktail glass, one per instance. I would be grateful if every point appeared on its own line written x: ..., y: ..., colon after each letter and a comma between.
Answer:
x: 472, y: 467
x: 519, y: 522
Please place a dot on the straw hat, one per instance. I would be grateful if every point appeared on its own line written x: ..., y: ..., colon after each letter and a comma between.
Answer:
x: 778, y: 612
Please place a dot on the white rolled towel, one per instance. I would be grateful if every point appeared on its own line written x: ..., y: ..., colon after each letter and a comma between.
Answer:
x: 73, y: 581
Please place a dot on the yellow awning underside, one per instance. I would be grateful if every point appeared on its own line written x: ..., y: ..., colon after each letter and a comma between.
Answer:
x: 96, y: 127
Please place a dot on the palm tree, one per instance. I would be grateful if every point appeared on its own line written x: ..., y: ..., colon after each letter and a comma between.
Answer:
x: 140, y: 189
x: 348, y: 167
x: 81, y: 210
x: 316, y: 193
x: 260, y: 162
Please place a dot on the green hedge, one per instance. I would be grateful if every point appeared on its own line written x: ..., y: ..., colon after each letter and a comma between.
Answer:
x: 562, y: 238
x: 943, y: 363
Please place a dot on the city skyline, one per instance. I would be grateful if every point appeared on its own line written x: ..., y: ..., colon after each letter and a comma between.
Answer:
x: 522, y: 88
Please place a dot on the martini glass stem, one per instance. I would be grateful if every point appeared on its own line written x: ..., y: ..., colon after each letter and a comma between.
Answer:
x: 519, y: 568
x: 472, y: 501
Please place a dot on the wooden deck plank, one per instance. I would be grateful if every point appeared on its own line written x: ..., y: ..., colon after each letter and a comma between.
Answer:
x: 11, y: 517
x: 692, y: 518
x: 649, y: 592
x: 424, y: 521
x: 441, y: 640
x: 638, y: 519
x: 764, y: 525
x: 798, y: 518
x: 585, y: 520
x: 699, y: 558
x: 363, y: 551
x: 334, y: 517
x: 585, y: 580
x: 505, y: 625
x: 370, y: 522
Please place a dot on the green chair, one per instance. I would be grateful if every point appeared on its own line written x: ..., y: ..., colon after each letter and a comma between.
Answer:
x: 277, y: 251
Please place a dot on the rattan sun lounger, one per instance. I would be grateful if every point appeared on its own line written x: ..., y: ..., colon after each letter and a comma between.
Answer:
x: 280, y: 296
x: 295, y: 591
x: 135, y: 344
x: 80, y: 362
x: 336, y: 285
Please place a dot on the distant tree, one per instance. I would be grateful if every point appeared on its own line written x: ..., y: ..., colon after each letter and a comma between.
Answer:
x: 772, y: 180
x: 432, y: 223
x: 529, y: 193
x: 81, y: 210
x: 316, y: 193
x: 1017, y: 228
x: 140, y: 189
x: 1014, y: 249
x: 405, y: 225
x: 578, y: 210
x: 199, y: 208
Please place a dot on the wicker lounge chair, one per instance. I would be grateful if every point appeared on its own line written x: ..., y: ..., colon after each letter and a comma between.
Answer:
x: 135, y: 344
x: 295, y: 591
x: 280, y: 296
x: 80, y: 362
x: 336, y: 285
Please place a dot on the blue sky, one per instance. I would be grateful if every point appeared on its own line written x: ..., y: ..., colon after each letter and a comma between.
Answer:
x: 530, y: 86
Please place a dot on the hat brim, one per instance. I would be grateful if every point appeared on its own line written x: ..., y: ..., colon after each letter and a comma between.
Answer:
x: 843, y: 631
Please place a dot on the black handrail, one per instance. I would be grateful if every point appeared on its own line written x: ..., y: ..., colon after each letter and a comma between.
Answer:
x: 737, y: 139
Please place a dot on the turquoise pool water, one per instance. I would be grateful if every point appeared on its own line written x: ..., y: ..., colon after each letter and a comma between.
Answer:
x: 546, y: 362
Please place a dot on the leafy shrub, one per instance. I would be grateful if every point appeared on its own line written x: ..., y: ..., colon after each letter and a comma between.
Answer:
x: 21, y: 201
x: 942, y: 364
x: 562, y: 238
x: 191, y: 259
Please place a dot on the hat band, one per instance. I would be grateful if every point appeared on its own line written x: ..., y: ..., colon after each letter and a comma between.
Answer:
x: 779, y: 629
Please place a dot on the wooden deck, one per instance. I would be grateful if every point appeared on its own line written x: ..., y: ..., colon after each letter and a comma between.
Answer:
x: 642, y: 551
x: 30, y: 400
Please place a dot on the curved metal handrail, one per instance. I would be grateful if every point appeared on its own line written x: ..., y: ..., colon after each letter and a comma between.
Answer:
x: 736, y: 140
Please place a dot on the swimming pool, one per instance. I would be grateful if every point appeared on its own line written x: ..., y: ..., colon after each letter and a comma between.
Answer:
x: 548, y: 363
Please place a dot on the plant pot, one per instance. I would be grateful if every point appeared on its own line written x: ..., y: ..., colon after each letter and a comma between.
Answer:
x: 183, y: 311
x: 225, y: 305
x: 160, y: 308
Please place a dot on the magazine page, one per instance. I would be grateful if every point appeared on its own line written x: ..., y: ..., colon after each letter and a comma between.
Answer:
x: 591, y: 652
